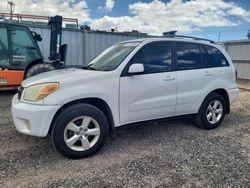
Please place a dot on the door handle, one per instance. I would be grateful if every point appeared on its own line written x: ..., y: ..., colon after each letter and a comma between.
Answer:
x: 168, y: 78
x: 208, y: 73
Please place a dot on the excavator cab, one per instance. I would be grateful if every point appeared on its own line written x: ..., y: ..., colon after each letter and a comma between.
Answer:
x: 18, y: 48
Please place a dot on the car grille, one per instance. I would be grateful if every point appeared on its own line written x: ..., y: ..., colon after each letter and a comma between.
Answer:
x: 19, y: 92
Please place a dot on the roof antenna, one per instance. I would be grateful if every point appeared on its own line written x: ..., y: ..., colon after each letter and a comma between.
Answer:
x: 169, y: 33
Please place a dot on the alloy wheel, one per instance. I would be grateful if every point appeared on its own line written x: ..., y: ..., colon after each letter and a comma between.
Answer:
x: 214, y: 111
x: 81, y: 133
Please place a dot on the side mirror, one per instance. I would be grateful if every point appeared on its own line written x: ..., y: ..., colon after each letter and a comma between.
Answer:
x: 136, y: 68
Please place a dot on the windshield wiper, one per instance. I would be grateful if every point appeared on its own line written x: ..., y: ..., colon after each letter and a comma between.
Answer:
x: 88, y: 67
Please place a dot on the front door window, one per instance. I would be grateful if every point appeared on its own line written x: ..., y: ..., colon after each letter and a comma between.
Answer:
x: 4, y: 49
x: 24, y: 49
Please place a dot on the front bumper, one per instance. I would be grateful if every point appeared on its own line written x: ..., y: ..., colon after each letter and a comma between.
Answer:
x: 30, y: 119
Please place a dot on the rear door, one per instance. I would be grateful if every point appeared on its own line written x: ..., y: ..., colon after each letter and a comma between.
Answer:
x: 194, y: 73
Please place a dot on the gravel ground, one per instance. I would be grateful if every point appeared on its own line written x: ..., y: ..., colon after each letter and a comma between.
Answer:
x: 171, y: 153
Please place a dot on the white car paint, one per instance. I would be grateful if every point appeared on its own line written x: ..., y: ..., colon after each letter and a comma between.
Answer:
x: 130, y: 98
x: 148, y: 96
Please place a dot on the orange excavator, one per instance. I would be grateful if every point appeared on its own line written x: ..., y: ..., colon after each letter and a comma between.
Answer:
x: 20, y: 56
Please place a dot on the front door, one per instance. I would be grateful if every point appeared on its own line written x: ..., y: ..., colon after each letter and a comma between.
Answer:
x: 23, y: 47
x: 4, y: 48
x: 8, y: 77
x: 152, y: 94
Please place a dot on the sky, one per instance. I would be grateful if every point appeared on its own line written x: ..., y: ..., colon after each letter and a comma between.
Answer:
x: 213, y: 19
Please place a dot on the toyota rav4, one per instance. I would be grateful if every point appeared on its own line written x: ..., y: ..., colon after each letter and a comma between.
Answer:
x: 132, y: 81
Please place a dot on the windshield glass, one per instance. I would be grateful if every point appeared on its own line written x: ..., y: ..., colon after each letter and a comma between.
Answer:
x: 112, y: 57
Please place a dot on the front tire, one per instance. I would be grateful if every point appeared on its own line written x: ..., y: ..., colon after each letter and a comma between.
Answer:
x: 79, y: 131
x: 39, y: 68
x: 212, y: 112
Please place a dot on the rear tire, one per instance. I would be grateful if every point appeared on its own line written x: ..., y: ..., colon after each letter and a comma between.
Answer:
x: 79, y: 131
x: 212, y: 112
x: 39, y: 68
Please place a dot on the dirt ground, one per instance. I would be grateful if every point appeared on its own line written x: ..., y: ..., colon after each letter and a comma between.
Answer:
x: 170, y: 153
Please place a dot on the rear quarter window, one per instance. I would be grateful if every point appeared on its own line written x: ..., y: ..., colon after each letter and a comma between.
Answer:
x: 216, y: 57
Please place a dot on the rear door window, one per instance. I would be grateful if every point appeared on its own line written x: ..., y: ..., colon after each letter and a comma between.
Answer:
x: 216, y: 57
x: 204, y: 58
x: 188, y: 56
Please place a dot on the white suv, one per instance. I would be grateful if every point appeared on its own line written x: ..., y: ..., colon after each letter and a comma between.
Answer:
x: 129, y: 82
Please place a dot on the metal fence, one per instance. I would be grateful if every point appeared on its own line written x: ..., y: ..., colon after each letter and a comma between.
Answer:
x: 239, y: 52
x: 82, y: 45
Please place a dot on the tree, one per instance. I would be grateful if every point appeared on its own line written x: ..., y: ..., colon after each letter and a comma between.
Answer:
x: 85, y: 27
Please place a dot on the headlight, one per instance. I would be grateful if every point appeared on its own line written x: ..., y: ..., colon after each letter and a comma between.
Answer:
x: 40, y: 91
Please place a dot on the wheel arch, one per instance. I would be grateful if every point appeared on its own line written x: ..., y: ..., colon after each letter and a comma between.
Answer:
x: 225, y: 95
x: 98, y: 103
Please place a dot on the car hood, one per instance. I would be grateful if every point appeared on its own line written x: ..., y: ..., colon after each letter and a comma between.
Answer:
x: 63, y: 76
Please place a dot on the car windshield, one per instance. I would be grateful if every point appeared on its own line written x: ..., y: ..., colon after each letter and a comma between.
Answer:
x: 112, y: 57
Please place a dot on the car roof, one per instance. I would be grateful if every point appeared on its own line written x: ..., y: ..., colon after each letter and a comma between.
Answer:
x: 11, y: 23
x: 154, y: 39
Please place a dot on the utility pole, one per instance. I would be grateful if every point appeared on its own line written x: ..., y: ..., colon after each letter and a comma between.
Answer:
x: 219, y: 36
x: 12, y: 5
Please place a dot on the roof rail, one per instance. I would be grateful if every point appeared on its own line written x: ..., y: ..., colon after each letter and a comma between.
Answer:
x: 173, y: 35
